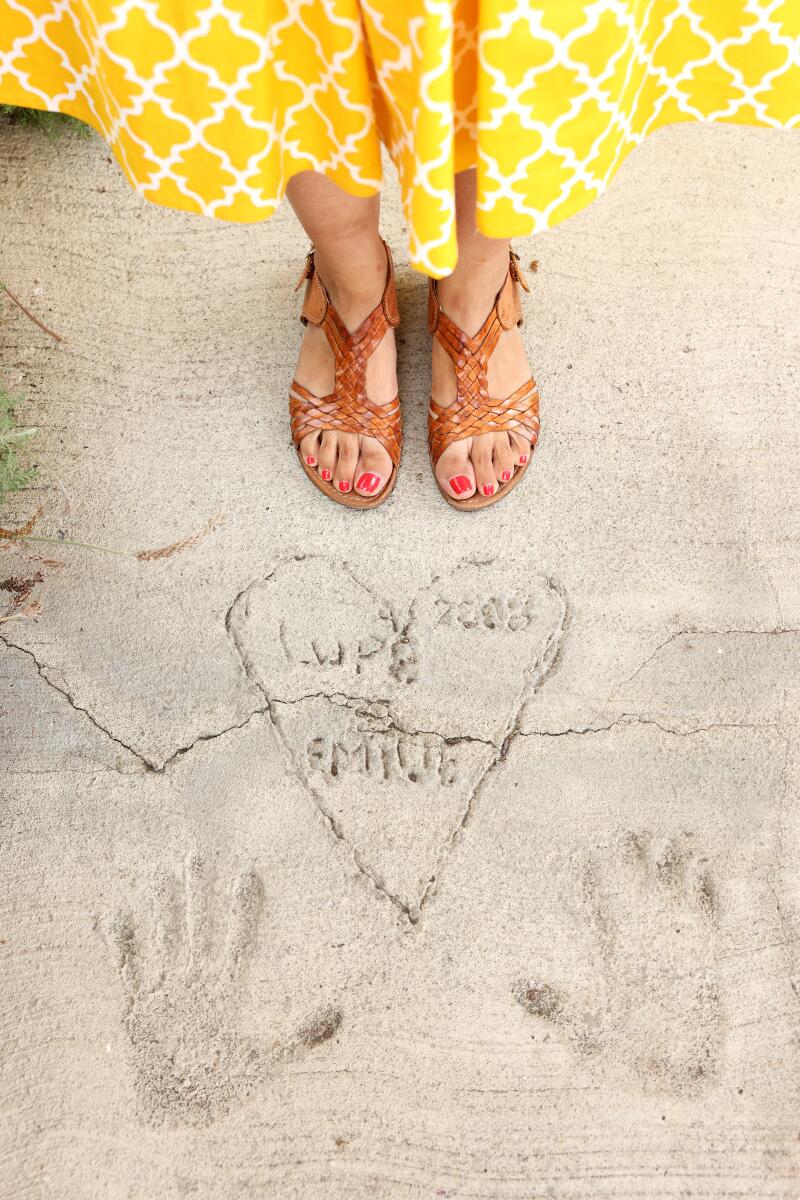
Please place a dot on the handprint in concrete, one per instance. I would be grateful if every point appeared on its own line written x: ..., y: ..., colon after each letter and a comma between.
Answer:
x: 638, y: 998
x: 183, y: 972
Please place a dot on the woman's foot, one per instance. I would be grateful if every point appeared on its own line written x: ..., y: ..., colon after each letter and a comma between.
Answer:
x: 349, y: 461
x: 486, y: 463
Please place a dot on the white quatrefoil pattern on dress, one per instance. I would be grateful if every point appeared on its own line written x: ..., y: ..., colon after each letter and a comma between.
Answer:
x: 211, y: 107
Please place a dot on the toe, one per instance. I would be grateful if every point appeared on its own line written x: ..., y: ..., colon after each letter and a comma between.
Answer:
x: 504, y: 458
x: 520, y: 448
x: 482, y: 460
x: 327, y: 454
x: 454, y: 471
x: 372, y: 469
x: 346, y: 459
x: 309, y: 449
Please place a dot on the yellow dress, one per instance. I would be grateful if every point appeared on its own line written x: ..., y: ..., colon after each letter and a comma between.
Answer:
x: 212, y: 106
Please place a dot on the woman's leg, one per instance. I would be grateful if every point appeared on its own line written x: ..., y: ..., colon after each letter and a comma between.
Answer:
x: 351, y: 262
x: 467, y: 296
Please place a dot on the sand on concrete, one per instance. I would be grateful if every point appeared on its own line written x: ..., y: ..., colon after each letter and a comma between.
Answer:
x: 404, y: 854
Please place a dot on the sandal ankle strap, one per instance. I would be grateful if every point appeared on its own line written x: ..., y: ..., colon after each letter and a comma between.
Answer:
x: 507, y: 303
x: 317, y: 302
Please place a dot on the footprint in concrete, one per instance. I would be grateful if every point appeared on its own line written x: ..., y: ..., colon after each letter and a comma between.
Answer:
x: 392, y: 719
x: 183, y: 974
x: 633, y: 988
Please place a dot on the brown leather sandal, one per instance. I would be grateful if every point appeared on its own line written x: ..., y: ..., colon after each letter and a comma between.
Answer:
x: 347, y: 408
x: 473, y: 412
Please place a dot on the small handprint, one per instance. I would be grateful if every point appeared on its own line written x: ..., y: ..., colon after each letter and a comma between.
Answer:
x: 639, y: 998
x: 182, y: 975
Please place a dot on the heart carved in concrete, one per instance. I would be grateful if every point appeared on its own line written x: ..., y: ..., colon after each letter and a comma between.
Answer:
x: 393, y: 720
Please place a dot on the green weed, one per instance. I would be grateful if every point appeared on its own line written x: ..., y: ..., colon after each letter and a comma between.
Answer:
x: 15, y: 474
x: 51, y: 123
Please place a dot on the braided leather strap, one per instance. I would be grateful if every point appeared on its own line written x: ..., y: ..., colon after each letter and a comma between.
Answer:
x: 473, y: 412
x: 347, y: 409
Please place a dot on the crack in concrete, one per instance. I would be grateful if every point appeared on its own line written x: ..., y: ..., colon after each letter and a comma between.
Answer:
x: 208, y: 737
x: 63, y: 691
x: 388, y: 722
x: 778, y: 632
x: 636, y: 719
x: 149, y: 765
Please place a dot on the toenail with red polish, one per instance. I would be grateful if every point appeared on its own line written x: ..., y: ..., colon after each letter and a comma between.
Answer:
x: 344, y: 485
x: 311, y: 460
x: 488, y: 489
x: 523, y: 458
x: 505, y: 476
x: 460, y: 483
x: 325, y: 473
x: 368, y: 482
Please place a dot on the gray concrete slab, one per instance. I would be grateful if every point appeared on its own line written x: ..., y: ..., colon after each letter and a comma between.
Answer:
x: 405, y: 854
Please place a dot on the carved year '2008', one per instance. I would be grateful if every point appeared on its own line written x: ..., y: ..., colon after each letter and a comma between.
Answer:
x: 512, y: 613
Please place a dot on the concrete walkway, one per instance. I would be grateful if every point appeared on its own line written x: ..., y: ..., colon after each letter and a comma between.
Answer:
x: 405, y: 854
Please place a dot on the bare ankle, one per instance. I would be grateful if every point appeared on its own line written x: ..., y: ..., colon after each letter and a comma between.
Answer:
x: 354, y: 276
x: 469, y: 293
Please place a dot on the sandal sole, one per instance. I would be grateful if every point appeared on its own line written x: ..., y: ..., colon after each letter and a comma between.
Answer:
x: 349, y: 499
x: 473, y: 503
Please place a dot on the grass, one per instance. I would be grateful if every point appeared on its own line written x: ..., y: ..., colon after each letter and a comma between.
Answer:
x: 51, y: 123
x: 14, y: 473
